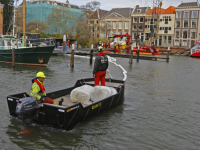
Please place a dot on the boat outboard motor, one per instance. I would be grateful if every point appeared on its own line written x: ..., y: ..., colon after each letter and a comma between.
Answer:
x: 26, y: 105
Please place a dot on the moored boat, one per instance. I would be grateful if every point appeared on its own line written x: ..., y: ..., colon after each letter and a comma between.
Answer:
x: 146, y: 50
x: 195, y: 51
x: 37, y: 55
x: 69, y: 114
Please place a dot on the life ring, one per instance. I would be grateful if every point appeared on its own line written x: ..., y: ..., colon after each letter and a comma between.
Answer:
x: 197, y: 51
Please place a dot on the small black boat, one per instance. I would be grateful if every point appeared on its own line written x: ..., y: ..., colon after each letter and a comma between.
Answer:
x: 69, y: 114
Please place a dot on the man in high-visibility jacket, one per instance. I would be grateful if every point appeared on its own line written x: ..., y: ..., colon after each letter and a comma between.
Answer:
x: 38, y: 89
x: 100, y: 66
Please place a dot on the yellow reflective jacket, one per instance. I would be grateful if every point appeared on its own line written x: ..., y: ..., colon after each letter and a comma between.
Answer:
x: 36, y: 92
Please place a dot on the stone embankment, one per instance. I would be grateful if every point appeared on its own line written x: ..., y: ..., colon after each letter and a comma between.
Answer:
x: 174, y: 50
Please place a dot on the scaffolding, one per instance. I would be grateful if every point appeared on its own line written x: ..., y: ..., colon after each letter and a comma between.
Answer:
x: 38, y: 10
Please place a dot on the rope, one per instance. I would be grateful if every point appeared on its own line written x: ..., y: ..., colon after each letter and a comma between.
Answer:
x: 111, y: 60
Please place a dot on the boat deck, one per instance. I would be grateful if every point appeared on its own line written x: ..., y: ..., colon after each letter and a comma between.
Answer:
x: 67, y: 101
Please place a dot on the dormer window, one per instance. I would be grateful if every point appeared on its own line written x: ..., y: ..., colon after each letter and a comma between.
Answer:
x: 138, y: 11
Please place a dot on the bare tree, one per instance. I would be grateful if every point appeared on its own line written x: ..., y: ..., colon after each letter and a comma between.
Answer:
x: 92, y: 5
x: 81, y: 31
x: 58, y: 19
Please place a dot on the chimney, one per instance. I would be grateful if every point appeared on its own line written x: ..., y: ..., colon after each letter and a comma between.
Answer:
x: 137, y: 6
x: 67, y: 2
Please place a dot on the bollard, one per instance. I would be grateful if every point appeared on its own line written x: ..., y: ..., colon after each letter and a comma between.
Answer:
x: 138, y: 54
x: 13, y: 54
x: 131, y: 57
x: 167, y: 56
x: 64, y: 40
x: 72, y: 57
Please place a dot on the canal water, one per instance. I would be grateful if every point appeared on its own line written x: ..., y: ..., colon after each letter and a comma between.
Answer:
x: 161, y: 109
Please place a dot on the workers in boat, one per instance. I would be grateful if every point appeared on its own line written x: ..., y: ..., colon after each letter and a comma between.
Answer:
x: 100, y: 67
x: 38, y: 90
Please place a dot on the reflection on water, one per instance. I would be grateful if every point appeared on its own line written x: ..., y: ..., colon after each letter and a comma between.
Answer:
x: 161, y: 108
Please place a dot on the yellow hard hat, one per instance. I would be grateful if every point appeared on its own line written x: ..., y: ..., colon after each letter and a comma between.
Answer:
x: 100, y: 48
x: 40, y: 75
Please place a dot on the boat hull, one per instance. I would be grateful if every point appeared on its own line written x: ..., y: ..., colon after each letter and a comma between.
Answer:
x: 197, y: 55
x: 28, y: 56
x: 67, y: 117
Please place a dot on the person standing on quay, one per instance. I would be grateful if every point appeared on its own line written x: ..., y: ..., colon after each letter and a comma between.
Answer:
x: 100, y: 66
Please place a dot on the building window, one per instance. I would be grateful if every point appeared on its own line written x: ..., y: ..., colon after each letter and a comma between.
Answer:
x: 193, y: 34
x: 169, y: 28
x: 114, y: 25
x: 96, y: 22
x: 194, y: 14
x: 185, y: 23
x: 166, y: 21
x: 138, y: 10
x: 169, y: 39
x: 120, y: 25
x: 176, y: 43
x: 147, y: 35
x: 141, y: 20
x: 134, y: 27
x: 177, y: 33
x: 186, y: 14
x: 95, y: 28
x: 103, y: 24
x: 134, y: 36
x: 140, y: 27
x: 126, y: 25
x: 185, y: 34
x: 109, y: 25
x: 194, y: 23
x: 178, y: 14
x: 178, y: 24
x: 164, y: 39
x: 166, y: 30
x: 135, y: 20
x: 184, y: 43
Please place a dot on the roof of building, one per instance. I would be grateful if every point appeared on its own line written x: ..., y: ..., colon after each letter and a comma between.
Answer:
x: 142, y: 10
x: 188, y: 4
x: 156, y: 10
x: 97, y: 14
x: 169, y: 10
x: 125, y: 12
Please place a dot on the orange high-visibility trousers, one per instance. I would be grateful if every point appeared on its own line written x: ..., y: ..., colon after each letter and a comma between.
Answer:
x: 100, y: 76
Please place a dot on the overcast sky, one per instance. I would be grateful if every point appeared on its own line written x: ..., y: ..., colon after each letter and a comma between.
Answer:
x: 109, y: 4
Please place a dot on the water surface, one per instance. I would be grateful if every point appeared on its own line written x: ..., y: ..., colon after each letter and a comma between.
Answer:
x: 161, y: 109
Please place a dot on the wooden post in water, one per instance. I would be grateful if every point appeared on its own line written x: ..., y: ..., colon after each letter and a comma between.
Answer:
x: 138, y: 53
x: 13, y: 54
x: 114, y: 47
x: 168, y: 54
x: 91, y: 54
x: 131, y: 56
x: 72, y: 57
